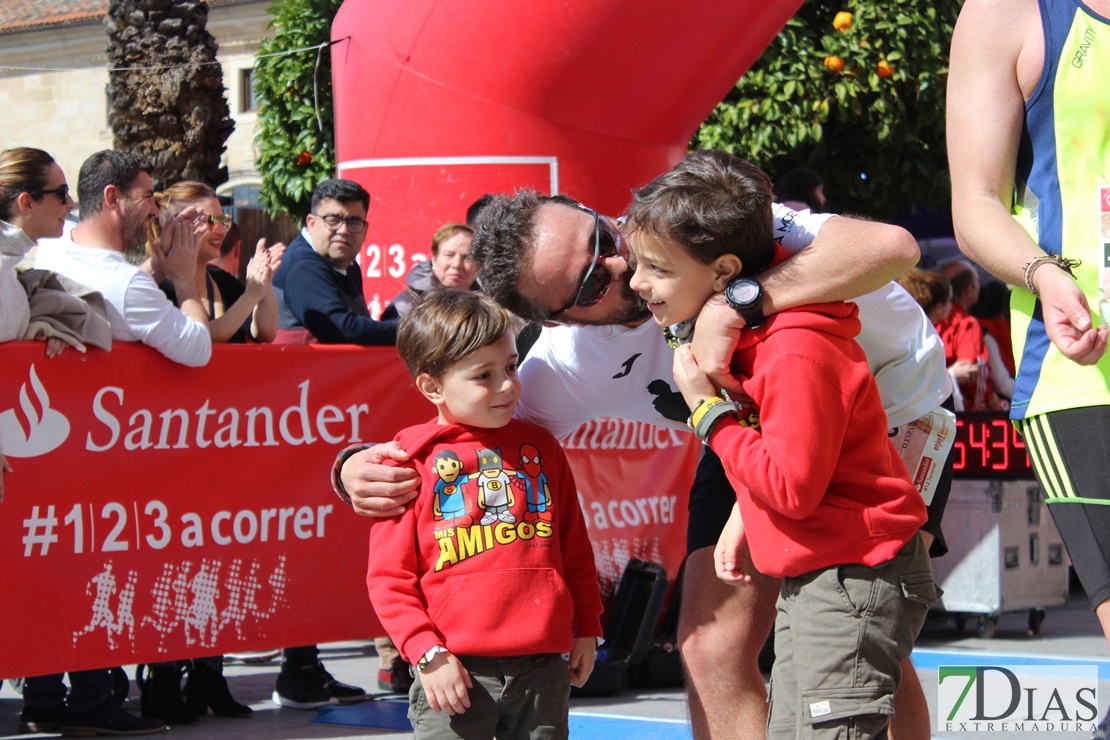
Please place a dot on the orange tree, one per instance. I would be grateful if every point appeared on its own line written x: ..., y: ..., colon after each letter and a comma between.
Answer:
x: 295, y: 133
x: 855, y: 91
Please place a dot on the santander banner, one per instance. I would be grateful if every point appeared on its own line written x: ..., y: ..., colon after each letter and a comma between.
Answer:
x: 158, y: 512
x: 437, y: 103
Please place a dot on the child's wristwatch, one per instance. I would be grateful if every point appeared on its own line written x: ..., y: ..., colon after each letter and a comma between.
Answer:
x: 429, y: 656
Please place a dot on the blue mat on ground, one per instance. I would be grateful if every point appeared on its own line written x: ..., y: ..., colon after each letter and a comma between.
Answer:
x: 392, y: 714
x: 380, y: 714
x: 586, y: 726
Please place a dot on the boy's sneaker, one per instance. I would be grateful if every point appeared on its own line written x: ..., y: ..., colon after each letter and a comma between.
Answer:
x: 312, y: 687
x: 42, y: 719
x: 110, y: 721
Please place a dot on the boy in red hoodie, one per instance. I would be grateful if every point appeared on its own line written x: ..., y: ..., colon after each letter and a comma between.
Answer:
x: 488, y: 579
x: 824, y: 502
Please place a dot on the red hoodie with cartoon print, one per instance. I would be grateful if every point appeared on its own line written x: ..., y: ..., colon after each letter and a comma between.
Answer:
x: 492, y: 558
x: 817, y: 479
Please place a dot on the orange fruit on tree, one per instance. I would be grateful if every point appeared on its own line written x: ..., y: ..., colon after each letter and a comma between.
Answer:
x: 884, y: 69
x: 842, y: 21
x: 834, y: 63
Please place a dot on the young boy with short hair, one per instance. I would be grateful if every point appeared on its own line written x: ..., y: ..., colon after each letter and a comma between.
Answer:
x: 488, y: 578
x: 823, y: 500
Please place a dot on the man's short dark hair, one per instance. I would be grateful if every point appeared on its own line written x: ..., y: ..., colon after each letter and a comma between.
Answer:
x: 503, y: 246
x: 712, y: 203
x: 344, y: 191
x: 103, y: 169
x: 476, y: 208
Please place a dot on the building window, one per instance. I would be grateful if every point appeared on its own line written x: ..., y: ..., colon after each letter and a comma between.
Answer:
x: 248, y: 101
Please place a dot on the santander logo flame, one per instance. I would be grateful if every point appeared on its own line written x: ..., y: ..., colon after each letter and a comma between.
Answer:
x: 39, y: 430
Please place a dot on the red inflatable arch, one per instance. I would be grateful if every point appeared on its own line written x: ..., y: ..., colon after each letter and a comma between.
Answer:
x: 439, y: 102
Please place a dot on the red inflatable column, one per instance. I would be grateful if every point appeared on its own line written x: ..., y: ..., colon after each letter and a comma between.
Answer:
x: 437, y: 103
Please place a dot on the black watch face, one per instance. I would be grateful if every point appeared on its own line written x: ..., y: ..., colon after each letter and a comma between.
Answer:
x: 744, y: 292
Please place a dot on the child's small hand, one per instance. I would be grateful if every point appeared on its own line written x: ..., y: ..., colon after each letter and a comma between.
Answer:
x: 445, y: 682
x: 582, y: 657
x: 731, y: 550
x: 694, y: 384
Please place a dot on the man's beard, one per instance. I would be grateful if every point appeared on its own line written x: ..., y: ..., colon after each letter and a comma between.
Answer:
x: 134, y: 242
x: 631, y: 310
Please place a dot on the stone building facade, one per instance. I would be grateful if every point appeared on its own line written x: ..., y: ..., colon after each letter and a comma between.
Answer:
x: 53, y: 78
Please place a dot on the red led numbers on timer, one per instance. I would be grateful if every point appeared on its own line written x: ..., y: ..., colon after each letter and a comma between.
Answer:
x: 1002, y: 444
x: 977, y: 437
x: 987, y: 446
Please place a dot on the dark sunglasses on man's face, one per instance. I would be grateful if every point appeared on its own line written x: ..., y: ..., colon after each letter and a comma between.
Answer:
x: 596, y: 282
x: 62, y: 191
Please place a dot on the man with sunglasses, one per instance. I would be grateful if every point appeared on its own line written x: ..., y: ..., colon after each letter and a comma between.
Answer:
x: 549, y: 259
x: 319, y: 283
x: 116, y: 199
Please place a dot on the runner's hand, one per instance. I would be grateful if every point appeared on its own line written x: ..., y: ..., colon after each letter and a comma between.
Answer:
x: 1067, y: 317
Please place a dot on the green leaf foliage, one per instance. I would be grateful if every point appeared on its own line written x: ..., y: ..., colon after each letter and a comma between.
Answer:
x: 295, y: 133
x: 877, y: 142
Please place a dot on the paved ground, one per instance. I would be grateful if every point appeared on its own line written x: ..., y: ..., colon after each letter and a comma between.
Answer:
x: 1067, y: 631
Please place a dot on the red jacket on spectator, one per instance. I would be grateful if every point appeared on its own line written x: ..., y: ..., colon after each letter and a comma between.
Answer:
x: 963, y: 340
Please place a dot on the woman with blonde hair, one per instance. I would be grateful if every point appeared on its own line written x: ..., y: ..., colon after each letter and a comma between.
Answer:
x: 251, y: 313
x: 232, y: 317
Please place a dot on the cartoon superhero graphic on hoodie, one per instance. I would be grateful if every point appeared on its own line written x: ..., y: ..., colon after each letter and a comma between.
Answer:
x: 450, y: 503
x: 538, y: 493
x: 495, y: 495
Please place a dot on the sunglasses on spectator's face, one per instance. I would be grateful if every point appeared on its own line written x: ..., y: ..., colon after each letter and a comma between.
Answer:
x: 62, y: 192
x: 222, y: 221
x: 596, y: 282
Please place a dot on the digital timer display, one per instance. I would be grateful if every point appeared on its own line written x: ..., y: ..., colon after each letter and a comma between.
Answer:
x: 987, y: 446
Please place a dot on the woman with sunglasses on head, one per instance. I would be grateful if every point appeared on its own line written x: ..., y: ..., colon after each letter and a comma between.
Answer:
x: 233, y: 316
